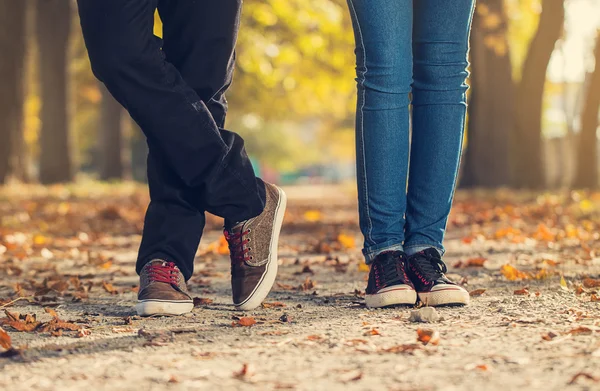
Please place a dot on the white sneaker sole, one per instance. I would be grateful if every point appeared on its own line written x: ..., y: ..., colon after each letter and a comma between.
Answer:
x: 393, y: 295
x: 264, y: 286
x: 445, y: 295
x: 163, y: 307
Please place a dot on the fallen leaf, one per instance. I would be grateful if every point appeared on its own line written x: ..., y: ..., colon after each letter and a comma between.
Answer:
x: 12, y: 315
x: 584, y: 375
x: 314, y: 337
x: 198, y: 301
x: 580, y: 330
x: 351, y: 376
x: 512, y: 273
x: 549, y: 336
x: 307, y: 285
x: 523, y: 291
x: 173, y: 379
x: 5, y: 340
x: 83, y: 333
x: 109, y: 288
x: 245, y: 322
x: 346, y: 241
x: 591, y: 283
x: 60, y: 286
x: 595, y: 298
x: 563, y: 283
x: 472, y: 262
x: 285, y: 286
x: 363, y: 267
x: 428, y: 336
x: 372, y: 332
x: 477, y: 292
x: 312, y: 216
x: 123, y: 329
x: 51, y: 312
x: 404, y: 348
x: 246, y: 372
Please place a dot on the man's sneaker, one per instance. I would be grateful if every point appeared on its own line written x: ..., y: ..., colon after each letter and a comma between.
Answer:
x: 426, y: 270
x: 163, y: 290
x: 253, y: 251
x: 388, y: 282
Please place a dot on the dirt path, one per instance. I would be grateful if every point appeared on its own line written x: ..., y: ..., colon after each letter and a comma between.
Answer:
x: 316, y: 333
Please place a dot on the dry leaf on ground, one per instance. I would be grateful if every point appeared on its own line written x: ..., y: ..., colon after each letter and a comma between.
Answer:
x: 5, y: 340
x: 522, y: 291
x: 591, y: 283
x: 477, y: 292
x: 198, y: 301
x: 428, y: 336
x: 245, y: 322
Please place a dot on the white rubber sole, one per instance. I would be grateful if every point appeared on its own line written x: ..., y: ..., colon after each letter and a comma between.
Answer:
x: 163, y: 307
x: 445, y: 295
x: 264, y: 286
x: 393, y: 295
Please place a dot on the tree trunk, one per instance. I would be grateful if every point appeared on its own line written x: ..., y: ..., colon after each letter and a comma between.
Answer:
x: 111, y: 135
x: 12, y: 65
x: 491, y: 111
x: 53, y: 21
x: 527, y: 145
x: 587, y: 161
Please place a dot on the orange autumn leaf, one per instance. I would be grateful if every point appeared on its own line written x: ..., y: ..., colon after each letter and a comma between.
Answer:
x: 523, y: 291
x: 198, y: 301
x: 51, y: 312
x: 245, y: 322
x: 591, y: 283
x: 5, y: 340
x: 109, y: 288
x: 308, y: 284
x: 595, y: 298
x: 312, y: 216
x: 477, y: 292
x: 472, y: 262
x: 428, y: 336
x: 512, y: 273
x: 580, y: 330
x: 346, y: 241
x: 372, y: 332
x: 314, y: 338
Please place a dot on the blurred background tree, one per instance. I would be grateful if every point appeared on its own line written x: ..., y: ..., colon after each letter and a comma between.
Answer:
x: 533, y: 115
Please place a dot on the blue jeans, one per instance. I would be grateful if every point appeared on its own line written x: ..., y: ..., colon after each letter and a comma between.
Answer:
x: 404, y: 47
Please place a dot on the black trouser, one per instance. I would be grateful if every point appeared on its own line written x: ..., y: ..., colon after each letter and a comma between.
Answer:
x: 176, y: 95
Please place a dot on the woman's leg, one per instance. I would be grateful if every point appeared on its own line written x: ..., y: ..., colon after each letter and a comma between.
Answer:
x: 440, y: 48
x: 383, y: 32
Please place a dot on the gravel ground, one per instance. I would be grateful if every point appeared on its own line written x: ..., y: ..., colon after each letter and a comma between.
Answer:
x: 315, y: 333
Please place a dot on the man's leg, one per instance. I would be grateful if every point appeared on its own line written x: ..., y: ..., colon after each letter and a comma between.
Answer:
x: 178, y: 125
x: 182, y: 133
x: 199, y: 40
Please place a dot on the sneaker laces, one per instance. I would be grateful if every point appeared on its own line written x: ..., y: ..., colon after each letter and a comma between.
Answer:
x: 166, y: 272
x: 386, y: 269
x: 237, y: 246
x: 431, y: 266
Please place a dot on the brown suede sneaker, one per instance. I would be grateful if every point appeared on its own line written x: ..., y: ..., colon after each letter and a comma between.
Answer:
x: 163, y: 290
x: 253, y: 250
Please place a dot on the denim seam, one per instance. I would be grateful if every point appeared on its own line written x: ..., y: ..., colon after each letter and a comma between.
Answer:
x: 369, y: 236
x: 413, y: 245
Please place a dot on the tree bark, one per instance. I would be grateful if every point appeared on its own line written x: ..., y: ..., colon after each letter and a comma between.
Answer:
x: 53, y: 21
x: 12, y: 65
x: 527, y: 138
x: 587, y: 161
x: 111, y: 135
x: 491, y: 109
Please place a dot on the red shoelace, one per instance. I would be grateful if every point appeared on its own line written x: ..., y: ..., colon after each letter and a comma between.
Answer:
x: 166, y: 272
x: 237, y: 242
